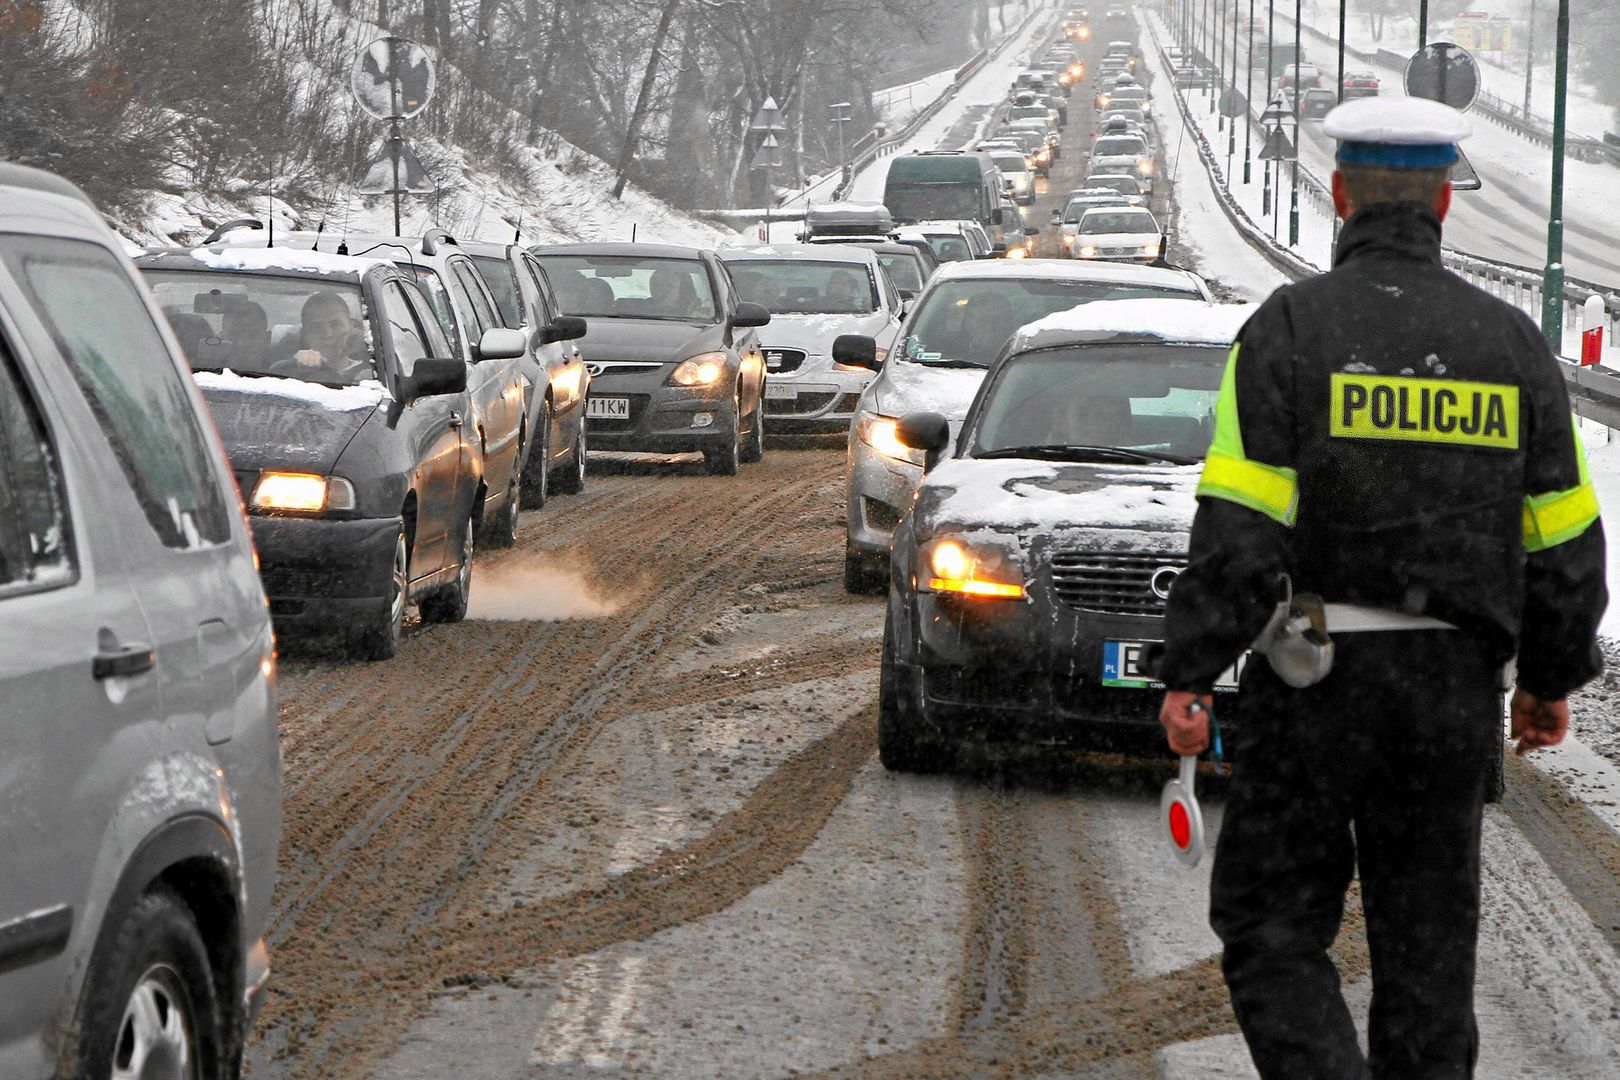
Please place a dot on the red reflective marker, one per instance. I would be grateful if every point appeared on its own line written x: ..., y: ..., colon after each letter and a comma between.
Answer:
x: 1183, y: 821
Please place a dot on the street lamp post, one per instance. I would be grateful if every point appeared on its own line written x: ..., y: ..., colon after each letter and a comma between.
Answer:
x: 1231, y: 131
x: 1423, y: 24
x: 1334, y: 251
x: 1552, y: 286
x: 1293, y: 203
x: 1220, y: 62
x: 1248, y: 96
x: 841, y: 116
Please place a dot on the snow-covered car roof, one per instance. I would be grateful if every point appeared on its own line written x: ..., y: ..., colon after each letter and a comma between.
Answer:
x: 270, y: 260
x: 823, y: 253
x: 1059, y: 270
x: 1187, y: 322
x: 649, y: 251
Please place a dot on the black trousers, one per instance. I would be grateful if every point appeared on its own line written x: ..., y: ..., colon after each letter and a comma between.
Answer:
x: 1382, y: 767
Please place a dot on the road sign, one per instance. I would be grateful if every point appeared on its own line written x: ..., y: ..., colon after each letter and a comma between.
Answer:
x: 1443, y: 71
x: 769, y: 117
x: 392, y: 79
x: 1278, y: 110
x: 1278, y: 147
x: 1233, y: 104
x: 411, y: 178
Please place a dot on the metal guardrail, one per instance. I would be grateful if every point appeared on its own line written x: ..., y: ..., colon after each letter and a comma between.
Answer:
x: 1594, y: 391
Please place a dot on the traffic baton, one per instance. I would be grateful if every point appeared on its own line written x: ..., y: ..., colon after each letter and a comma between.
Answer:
x: 1178, y: 810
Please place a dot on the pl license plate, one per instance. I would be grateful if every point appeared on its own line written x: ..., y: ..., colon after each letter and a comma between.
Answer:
x: 1121, y: 666
x: 607, y: 408
x: 780, y: 391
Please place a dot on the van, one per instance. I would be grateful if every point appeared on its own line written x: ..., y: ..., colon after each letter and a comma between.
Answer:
x: 935, y: 185
x: 142, y: 779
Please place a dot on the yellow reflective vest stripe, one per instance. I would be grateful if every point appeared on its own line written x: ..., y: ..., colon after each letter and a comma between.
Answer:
x: 1228, y: 474
x: 1556, y: 517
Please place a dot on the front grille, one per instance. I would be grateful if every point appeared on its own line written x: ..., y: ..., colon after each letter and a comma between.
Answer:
x: 1114, y: 583
x: 802, y: 403
x: 638, y: 405
x: 784, y: 359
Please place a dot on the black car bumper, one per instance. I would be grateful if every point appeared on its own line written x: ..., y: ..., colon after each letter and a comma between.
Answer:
x: 319, y: 572
x: 662, y: 419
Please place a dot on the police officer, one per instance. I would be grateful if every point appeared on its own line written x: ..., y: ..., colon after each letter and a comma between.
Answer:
x: 1396, y: 444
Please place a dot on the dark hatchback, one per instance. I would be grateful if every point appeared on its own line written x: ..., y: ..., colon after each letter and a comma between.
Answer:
x: 674, y: 363
x: 341, y: 405
x: 1031, y: 571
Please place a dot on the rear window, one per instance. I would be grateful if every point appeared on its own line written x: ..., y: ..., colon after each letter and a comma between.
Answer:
x: 1118, y: 146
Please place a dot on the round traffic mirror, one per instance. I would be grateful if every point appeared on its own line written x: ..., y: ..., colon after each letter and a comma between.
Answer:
x: 392, y: 78
x: 1443, y: 71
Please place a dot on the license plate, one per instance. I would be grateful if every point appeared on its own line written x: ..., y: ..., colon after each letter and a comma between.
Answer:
x: 607, y: 408
x: 782, y: 392
x: 1121, y: 666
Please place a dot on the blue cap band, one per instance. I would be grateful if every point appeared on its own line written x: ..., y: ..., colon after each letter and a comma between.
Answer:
x: 1399, y: 155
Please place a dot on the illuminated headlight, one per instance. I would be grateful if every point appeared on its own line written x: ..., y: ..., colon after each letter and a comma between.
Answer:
x: 702, y: 370
x: 1076, y: 70
x: 1150, y: 249
x: 1085, y: 33
x: 1145, y: 166
x: 1088, y: 251
x: 1065, y: 79
x: 1018, y: 252
x: 308, y: 492
x: 949, y: 565
x: 1103, y: 100
x: 880, y: 433
x: 1068, y: 240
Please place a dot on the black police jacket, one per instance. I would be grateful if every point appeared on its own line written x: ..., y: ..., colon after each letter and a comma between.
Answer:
x: 1389, y: 435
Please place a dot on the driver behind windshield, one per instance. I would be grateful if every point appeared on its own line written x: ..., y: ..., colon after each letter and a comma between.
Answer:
x: 840, y: 295
x: 332, y: 348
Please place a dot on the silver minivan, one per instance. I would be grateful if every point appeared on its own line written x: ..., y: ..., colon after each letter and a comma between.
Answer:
x: 140, y: 772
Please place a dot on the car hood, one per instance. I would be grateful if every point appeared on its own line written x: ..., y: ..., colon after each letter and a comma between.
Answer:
x: 649, y: 339
x: 905, y: 387
x: 815, y: 333
x: 1105, y: 507
x: 275, y: 423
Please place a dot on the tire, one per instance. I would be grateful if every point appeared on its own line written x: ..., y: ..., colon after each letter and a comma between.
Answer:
x: 152, y: 1007
x: 753, y: 446
x: 726, y: 460
x: 902, y: 747
x: 500, y: 531
x: 449, y: 604
x: 572, y: 480
x: 537, y: 478
x: 863, y: 576
x: 378, y: 636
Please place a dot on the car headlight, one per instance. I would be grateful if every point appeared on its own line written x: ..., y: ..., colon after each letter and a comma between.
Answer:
x: 1088, y: 251
x: 1150, y: 249
x: 1145, y: 166
x: 949, y: 565
x: 1019, y: 252
x: 308, y: 492
x: 881, y: 434
x: 1065, y: 79
x: 705, y: 369
x: 1068, y: 240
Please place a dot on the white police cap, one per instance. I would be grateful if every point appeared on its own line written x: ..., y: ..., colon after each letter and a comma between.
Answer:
x: 1397, y: 132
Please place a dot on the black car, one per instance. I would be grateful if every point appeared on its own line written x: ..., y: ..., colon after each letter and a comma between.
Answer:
x: 674, y: 362
x: 341, y: 405
x: 909, y: 264
x: 1031, y: 571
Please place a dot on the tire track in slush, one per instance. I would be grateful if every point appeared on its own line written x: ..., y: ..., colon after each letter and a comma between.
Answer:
x: 343, y: 936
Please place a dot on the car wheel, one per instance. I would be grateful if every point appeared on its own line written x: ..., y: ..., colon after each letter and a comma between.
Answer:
x: 153, y: 1009
x: 753, y: 447
x: 501, y: 530
x: 537, y: 477
x: 725, y: 460
x: 902, y: 747
x: 572, y: 480
x: 863, y: 574
x: 449, y: 604
x: 377, y: 637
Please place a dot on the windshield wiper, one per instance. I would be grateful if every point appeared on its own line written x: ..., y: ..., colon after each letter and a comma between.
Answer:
x: 947, y: 361
x: 1067, y: 452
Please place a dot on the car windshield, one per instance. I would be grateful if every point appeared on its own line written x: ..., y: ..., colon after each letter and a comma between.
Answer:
x: 631, y: 287
x: 497, y: 274
x: 1012, y: 163
x: 798, y: 287
x: 1155, y: 399
x: 950, y: 248
x: 1077, y: 209
x: 932, y: 202
x: 1118, y: 145
x: 902, y: 270
x: 267, y: 324
x: 967, y: 322
x: 1117, y: 221
x: 1125, y: 185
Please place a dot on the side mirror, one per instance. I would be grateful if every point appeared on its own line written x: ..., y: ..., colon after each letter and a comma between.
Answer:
x: 432, y: 376
x: 996, y: 216
x: 750, y: 314
x: 499, y: 343
x: 563, y: 328
x: 855, y: 350
x: 997, y: 251
x: 1057, y: 215
x: 926, y: 431
x: 1032, y: 232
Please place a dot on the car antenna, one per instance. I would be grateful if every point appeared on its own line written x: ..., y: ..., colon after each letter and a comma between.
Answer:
x: 517, y: 233
x: 632, y: 232
x: 316, y: 246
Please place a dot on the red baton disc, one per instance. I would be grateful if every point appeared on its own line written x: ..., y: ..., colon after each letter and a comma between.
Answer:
x: 1180, y: 827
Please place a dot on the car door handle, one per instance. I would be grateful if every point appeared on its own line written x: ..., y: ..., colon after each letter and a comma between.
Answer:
x: 455, y: 420
x: 122, y: 663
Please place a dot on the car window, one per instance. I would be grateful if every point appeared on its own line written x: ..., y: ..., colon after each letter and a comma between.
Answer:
x: 427, y: 321
x: 1116, y: 145
x: 902, y: 270
x: 967, y: 322
x: 439, y: 299
x: 1158, y: 398
x: 108, y: 340
x: 400, y: 325
x: 502, y: 284
x: 801, y: 287
x: 548, y: 302
x: 467, y: 288
x: 631, y: 286
x: 36, y: 545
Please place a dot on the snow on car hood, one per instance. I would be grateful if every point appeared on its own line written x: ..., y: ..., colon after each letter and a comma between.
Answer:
x: 905, y: 387
x: 1115, y: 505
x: 276, y: 423
x: 815, y: 333
x: 648, y: 339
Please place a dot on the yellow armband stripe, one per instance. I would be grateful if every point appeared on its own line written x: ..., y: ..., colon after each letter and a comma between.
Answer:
x: 1230, y: 475
x: 1557, y: 517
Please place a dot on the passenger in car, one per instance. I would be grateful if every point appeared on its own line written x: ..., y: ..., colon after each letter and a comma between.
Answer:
x: 247, y: 328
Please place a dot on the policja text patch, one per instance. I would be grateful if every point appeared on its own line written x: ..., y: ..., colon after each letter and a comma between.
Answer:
x: 1425, y: 410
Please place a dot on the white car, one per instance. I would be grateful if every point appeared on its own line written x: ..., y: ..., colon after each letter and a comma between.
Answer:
x: 952, y: 333
x: 1131, y: 151
x: 1015, y: 174
x: 815, y: 293
x: 1068, y: 219
x: 1118, y: 234
x: 1131, y: 187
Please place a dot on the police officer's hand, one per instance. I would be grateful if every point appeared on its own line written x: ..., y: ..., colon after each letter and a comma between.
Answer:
x: 1537, y: 723
x: 1188, y: 729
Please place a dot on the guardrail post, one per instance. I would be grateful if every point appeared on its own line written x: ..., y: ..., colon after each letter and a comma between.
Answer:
x: 1593, y: 316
